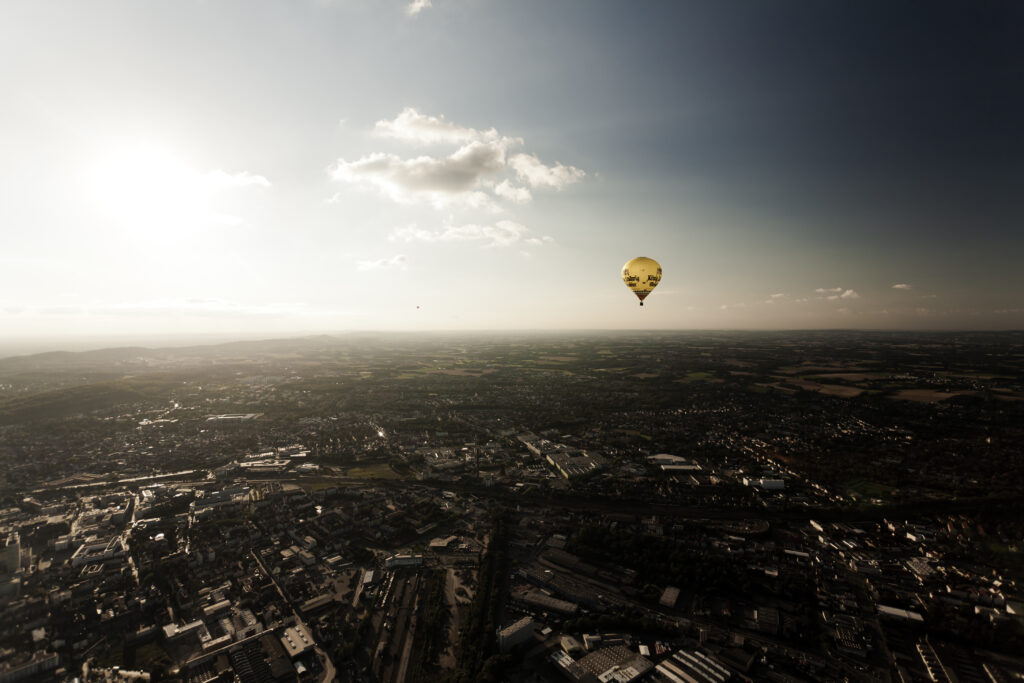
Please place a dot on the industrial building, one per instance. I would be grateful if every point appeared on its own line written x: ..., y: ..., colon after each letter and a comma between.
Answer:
x: 516, y: 634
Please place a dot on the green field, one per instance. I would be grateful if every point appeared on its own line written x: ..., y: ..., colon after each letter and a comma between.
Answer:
x: 695, y: 376
x: 863, y: 489
x: 376, y: 471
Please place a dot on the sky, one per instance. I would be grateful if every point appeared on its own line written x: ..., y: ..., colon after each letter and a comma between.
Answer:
x: 294, y: 166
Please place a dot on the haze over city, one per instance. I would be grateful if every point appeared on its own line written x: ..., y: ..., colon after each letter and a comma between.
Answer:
x: 242, y: 168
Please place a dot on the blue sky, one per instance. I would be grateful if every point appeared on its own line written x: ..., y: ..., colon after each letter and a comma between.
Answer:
x: 219, y: 166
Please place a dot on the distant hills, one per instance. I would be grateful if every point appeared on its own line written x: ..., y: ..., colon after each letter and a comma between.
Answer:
x: 64, y: 402
x: 105, y: 358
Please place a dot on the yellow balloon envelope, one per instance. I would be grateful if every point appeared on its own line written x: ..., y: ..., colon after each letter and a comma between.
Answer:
x: 641, y: 274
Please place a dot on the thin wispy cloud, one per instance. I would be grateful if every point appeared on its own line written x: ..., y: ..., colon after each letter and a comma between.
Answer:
x: 537, y: 174
x: 901, y: 286
x: 202, y: 307
x: 834, y: 293
x: 501, y: 234
x: 62, y: 310
x: 416, y: 6
x: 219, y: 178
x: 398, y: 261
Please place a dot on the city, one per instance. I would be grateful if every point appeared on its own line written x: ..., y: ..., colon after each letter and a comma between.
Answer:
x: 468, y: 341
x: 547, y: 507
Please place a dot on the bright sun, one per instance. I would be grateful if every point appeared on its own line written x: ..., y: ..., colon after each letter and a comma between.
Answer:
x: 147, y: 187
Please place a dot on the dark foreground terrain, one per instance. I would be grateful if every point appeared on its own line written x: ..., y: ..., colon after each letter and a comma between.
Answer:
x: 774, y: 506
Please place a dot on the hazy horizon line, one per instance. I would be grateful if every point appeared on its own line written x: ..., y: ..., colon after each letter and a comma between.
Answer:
x: 29, y: 346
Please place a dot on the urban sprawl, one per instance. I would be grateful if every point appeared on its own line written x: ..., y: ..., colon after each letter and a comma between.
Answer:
x: 660, y: 507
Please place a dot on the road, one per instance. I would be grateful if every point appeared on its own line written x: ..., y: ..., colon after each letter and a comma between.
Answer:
x: 328, y: 665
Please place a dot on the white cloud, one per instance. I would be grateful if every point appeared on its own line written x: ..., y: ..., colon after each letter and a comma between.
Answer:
x: 412, y: 126
x: 513, y: 193
x: 501, y: 234
x: 438, y: 181
x: 222, y: 179
x: 537, y: 174
x: 474, y: 175
x: 416, y: 6
x: 778, y: 296
x: 835, y: 293
x: 397, y: 261
x: 901, y: 286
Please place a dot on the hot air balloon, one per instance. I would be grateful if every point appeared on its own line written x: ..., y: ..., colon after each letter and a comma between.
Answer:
x: 641, y: 274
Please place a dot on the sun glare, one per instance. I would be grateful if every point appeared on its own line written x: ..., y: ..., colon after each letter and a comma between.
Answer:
x: 147, y: 187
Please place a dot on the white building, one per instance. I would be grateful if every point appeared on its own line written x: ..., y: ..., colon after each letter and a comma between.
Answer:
x: 98, y: 551
x: 403, y: 561
x: 297, y: 640
x: 516, y: 634
x: 766, y: 484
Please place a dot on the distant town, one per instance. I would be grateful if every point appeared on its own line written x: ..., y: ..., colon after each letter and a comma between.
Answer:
x: 612, y: 507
